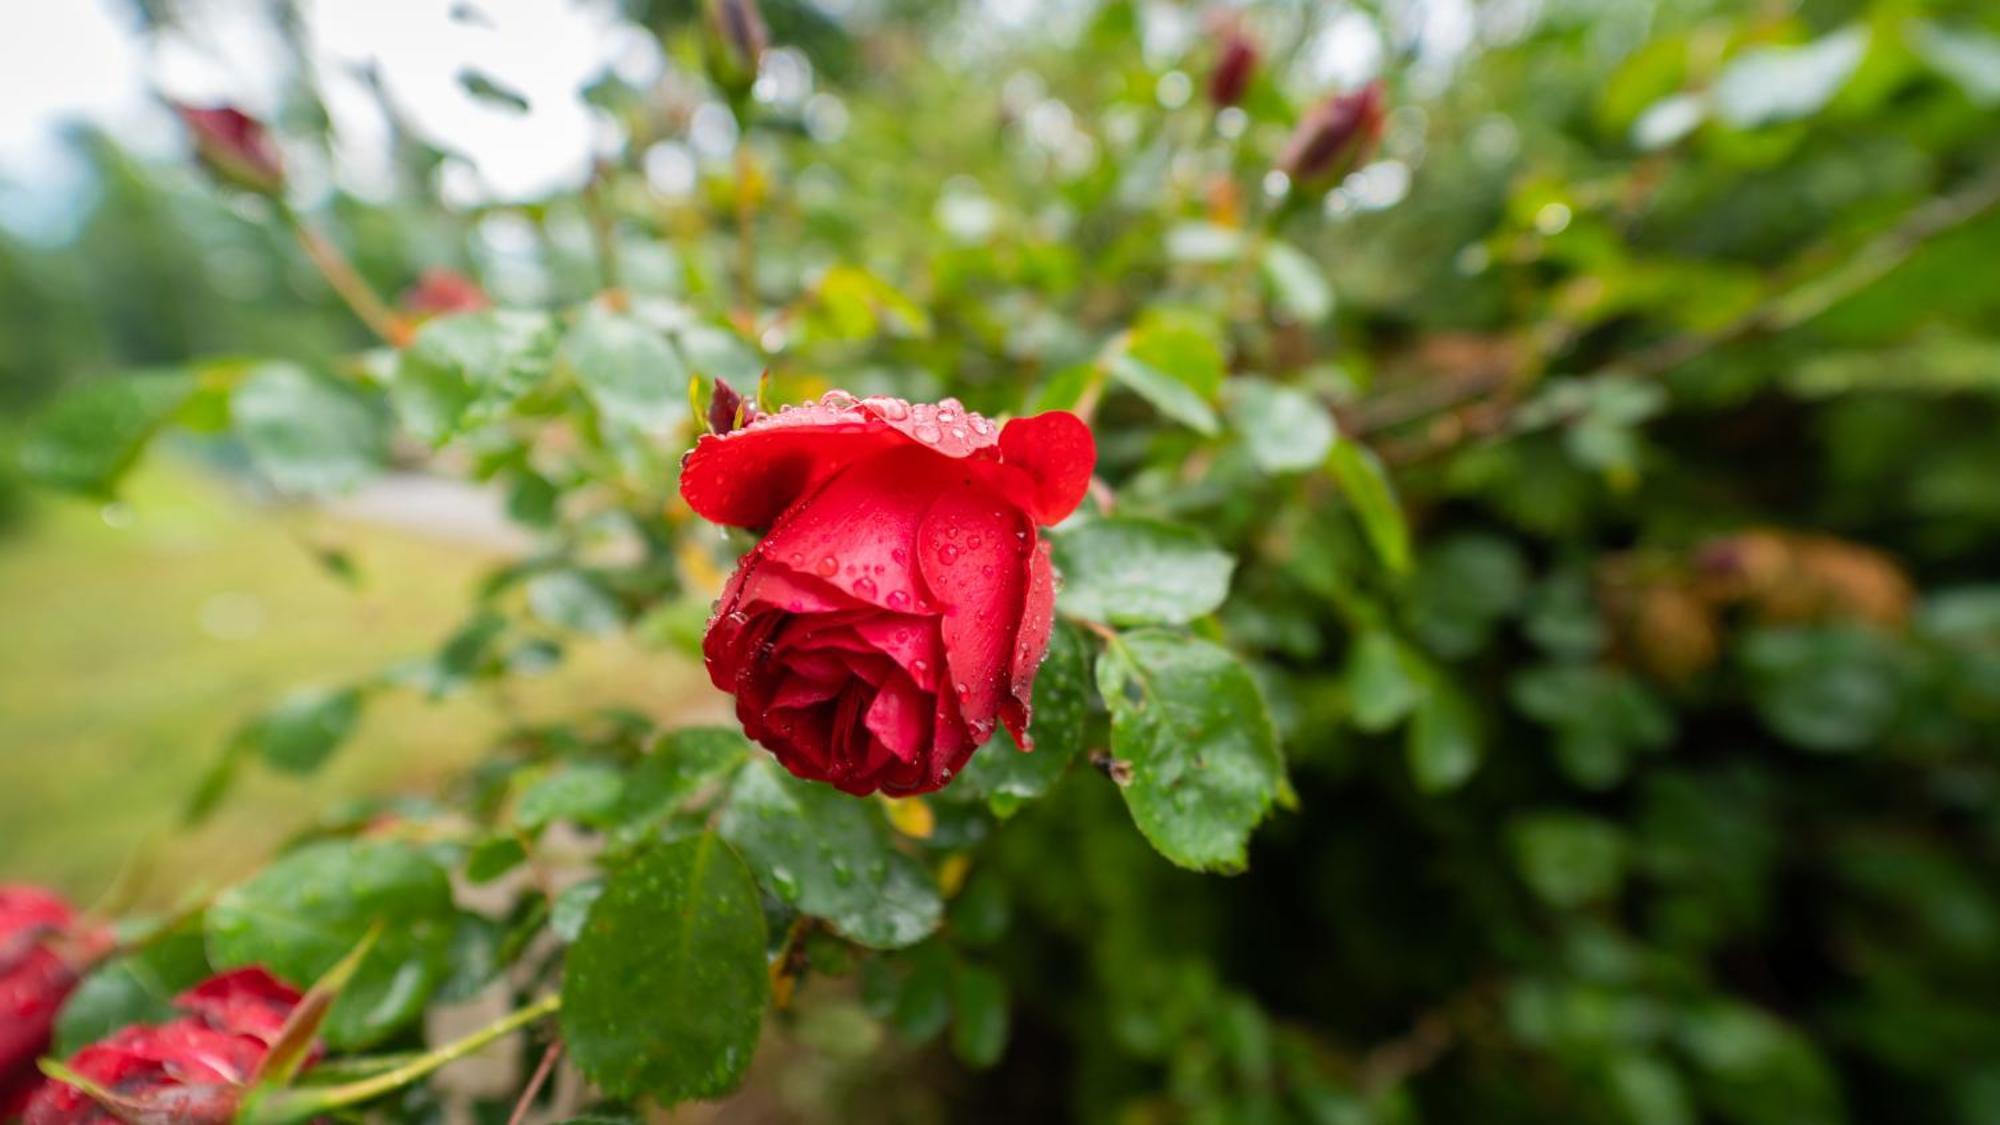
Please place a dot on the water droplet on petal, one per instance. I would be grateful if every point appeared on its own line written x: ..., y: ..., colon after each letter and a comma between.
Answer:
x: 898, y: 599
x: 894, y: 409
x: 949, y: 553
x: 899, y: 555
x: 972, y: 542
x: 981, y: 426
x: 920, y: 666
x: 797, y: 560
x: 947, y: 416
x: 964, y: 691
x: 864, y: 587
x: 828, y: 566
x: 986, y: 572
x: 958, y: 432
x: 927, y: 433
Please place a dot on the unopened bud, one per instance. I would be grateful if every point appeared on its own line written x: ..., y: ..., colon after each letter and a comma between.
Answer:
x: 1233, y: 68
x: 1334, y: 137
x: 738, y: 39
x: 235, y: 148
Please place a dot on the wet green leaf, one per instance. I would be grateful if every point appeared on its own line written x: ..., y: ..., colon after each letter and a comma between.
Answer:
x: 1125, y: 571
x: 85, y: 440
x: 307, y: 432
x: 629, y: 369
x: 1285, y: 429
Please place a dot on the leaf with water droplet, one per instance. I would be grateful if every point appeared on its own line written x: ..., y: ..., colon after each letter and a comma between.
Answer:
x: 799, y: 835
x: 1204, y: 756
x: 1061, y: 707
x: 1140, y: 572
x: 665, y: 988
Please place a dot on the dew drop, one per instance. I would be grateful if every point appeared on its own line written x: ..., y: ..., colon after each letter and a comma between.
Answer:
x: 972, y: 543
x: 895, y: 409
x: 981, y: 426
x: 828, y: 566
x: 899, y: 555
x: 864, y: 587
x: 920, y: 666
x: 898, y: 599
x: 958, y: 432
x: 837, y: 400
x: 964, y: 690
x: 927, y: 433
x: 947, y: 416
x: 798, y: 560
x: 986, y: 572
x: 949, y: 553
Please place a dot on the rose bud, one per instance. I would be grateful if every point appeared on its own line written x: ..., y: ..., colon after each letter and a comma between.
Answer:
x: 41, y: 957
x: 192, y: 1069
x: 441, y: 292
x: 728, y: 409
x: 902, y: 600
x: 737, y: 40
x: 1334, y: 137
x: 1234, y: 65
x: 235, y: 148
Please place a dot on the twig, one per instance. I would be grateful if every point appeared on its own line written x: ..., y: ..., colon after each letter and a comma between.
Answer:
x: 348, y: 283
x: 535, y: 1081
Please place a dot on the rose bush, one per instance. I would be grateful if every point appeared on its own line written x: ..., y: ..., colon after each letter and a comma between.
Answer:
x: 42, y: 954
x: 1521, y: 516
x: 902, y: 600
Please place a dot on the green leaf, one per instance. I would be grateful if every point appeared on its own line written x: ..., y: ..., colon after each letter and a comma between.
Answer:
x: 677, y: 768
x: 1373, y: 498
x: 305, y: 728
x: 1173, y: 359
x: 1567, y: 858
x: 831, y: 856
x: 1302, y: 292
x: 1189, y: 719
x: 1767, y: 85
x: 1140, y: 572
x: 137, y: 988
x: 1602, y: 717
x: 570, y: 911
x: 979, y: 1003
x: 582, y: 792
x: 307, y: 432
x: 629, y: 369
x: 1061, y: 708
x: 717, y: 353
x: 86, y: 439
x: 1444, y: 741
x: 664, y: 991
x: 1385, y: 680
x: 1462, y: 588
x: 575, y: 600
x: 1833, y: 689
x: 302, y: 914
x: 1285, y: 429
x: 465, y: 370
x: 1066, y: 388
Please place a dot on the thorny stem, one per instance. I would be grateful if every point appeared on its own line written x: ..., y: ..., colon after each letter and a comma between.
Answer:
x: 301, y: 1105
x: 347, y: 282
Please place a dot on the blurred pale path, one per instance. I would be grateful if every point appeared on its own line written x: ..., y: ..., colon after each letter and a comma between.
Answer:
x: 137, y: 637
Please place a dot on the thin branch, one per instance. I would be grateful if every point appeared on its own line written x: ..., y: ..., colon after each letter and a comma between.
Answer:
x: 535, y: 1082
x: 348, y: 283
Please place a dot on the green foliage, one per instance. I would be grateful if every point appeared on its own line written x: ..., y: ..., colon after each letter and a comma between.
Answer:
x: 666, y: 986
x: 1529, y: 652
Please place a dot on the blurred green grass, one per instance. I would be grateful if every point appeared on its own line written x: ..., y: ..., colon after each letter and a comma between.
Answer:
x: 132, y: 646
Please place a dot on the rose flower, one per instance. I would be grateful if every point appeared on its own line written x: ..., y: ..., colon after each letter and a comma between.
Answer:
x: 41, y: 955
x: 192, y: 1069
x: 901, y: 601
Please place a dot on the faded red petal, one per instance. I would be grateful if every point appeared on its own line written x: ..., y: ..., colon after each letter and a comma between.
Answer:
x: 748, y: 477
x: 1057, y: 454
x: 247, y: 1001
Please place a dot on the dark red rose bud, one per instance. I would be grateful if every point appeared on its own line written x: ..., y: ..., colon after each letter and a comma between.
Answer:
x: 1334, y: 137
x: 1234, y: 65
x: 441, y: 292
x: 42, y: 952
x: 900, y: 605
x: 737, y: 40
x: 235, y: 148
x: 729, y: 410
x: 191, y: 1070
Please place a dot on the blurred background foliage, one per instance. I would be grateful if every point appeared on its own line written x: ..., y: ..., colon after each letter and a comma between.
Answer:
x: 1605, y: 469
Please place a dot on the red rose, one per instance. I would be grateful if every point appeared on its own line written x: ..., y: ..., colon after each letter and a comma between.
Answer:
x: 1235, y: 61
x: 235, y: 147
x: 192, y: 1069
x: 40, y: 955
x: 902, y: 600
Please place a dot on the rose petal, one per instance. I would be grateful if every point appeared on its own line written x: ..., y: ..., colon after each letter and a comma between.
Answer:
x: 1038, y: 615
x: 858, y: 534
x: 1057, y: 454
x: 749, y: 477
x: 247, y: 1001
x: 900, y: 716
x: 972, y: 552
